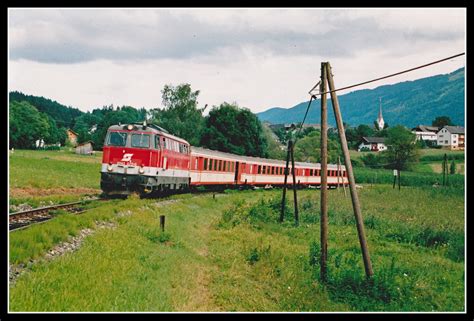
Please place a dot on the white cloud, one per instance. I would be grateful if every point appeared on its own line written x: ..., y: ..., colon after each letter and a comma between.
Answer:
x: 259, y: 58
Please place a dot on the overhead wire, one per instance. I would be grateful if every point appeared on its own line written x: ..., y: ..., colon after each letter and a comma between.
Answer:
x: 313, y: 96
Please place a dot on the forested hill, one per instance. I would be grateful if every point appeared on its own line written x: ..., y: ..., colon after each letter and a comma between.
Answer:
x: 408, y: 103
x: 63, y: 115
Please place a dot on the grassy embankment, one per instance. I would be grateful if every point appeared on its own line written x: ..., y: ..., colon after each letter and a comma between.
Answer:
x: 38, y: 177
x: 230, y: 254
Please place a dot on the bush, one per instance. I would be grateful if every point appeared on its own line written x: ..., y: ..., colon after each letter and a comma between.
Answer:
x: 357, y: 162
x: 440, y: 157
x: 253, y: 256
x: 372, y: 160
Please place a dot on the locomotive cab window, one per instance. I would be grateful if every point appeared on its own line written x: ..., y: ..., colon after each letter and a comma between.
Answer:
x: 117, y: 139
x: 141, y: 140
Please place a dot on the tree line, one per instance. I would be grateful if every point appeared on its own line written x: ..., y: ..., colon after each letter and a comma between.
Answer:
x: 228, y: 127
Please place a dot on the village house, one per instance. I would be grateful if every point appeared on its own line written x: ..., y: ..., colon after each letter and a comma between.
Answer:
x: 451, y: 137
x: 85, y: 148
x: 423, y: 132
x: 374, y: 144
x: 71, y: 136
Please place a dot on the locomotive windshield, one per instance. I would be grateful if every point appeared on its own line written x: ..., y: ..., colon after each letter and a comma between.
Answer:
x: 117, y: 139
x: 141, y: 140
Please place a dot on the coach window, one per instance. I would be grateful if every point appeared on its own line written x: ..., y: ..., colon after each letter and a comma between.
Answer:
x: 210, y: 164
x: 264, y: 169
x: 205, y: 164
x: 259, y: 169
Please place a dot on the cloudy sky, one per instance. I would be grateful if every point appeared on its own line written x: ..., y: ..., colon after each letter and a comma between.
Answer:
x: 259, y: 58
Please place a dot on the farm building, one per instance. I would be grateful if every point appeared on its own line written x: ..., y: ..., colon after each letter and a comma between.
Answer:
x: 71, y: 136
x: 85, y: 148
x: 374, y: 144
x: 423, y: 132
x: 451, y: 137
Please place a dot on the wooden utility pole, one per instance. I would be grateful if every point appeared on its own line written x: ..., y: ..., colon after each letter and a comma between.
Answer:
x: 445, y: 167
x: 398, y: 178
x: 355, y: 199
x: 444, y: 170
x: 338, y: 173
x: 395, y: 174
x: 324, y: 174
x: 282, y: 213
x: 293, y: 170
x: 342, y: 176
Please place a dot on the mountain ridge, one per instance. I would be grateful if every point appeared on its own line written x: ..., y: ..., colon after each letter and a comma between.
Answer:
x: 408, y: 103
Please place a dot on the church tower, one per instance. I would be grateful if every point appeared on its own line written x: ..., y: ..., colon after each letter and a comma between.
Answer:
x: 380, y: 121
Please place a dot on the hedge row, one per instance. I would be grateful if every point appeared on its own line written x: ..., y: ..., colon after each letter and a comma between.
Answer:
x: 383, y: 176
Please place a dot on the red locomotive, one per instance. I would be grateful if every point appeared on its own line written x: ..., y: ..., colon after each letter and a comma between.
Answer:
x: 147, y: 159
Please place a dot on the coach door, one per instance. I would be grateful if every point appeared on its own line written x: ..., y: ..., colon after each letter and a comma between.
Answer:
x: 242, y: 178
x: 237, y: 169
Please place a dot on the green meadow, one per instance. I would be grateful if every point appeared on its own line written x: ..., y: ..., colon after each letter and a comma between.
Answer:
x: 229, y: 253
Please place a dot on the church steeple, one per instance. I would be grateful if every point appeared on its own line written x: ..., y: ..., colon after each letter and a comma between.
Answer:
x: 380, y: 121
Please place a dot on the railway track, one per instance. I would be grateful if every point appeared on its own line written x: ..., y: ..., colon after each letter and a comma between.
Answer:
x: 23, y: 219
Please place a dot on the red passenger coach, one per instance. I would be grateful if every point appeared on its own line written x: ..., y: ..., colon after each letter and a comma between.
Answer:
x: 143, y: 158
x: 209, y: 167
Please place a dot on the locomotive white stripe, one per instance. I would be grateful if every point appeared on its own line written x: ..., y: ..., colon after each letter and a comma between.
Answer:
x: 148, y: 171
x: 216, y: 177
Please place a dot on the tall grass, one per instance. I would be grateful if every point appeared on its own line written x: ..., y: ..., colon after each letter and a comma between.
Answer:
x: 407, y: 178
x: 231, y: 254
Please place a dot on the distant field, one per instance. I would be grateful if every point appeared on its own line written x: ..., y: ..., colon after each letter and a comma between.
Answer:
x: 230, y: 254
x: 423, y: 153
x: 429, y: 162
x: 41, y: 174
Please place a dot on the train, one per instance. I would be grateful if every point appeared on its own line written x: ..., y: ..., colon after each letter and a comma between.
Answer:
x: 147, y: 159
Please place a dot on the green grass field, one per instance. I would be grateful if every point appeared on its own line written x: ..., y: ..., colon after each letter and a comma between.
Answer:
x: 230, y: 254
x: 57, y: 176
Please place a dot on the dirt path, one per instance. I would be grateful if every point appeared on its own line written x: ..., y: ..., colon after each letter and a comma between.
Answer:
x: 202, y: 269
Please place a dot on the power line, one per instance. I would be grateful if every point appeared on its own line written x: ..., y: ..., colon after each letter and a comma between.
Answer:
x: 392, y: 75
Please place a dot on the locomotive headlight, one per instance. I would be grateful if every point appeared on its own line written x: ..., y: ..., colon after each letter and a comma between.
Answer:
x: 110, y: 167
x: 141, y: 170
x: 130, y: 127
